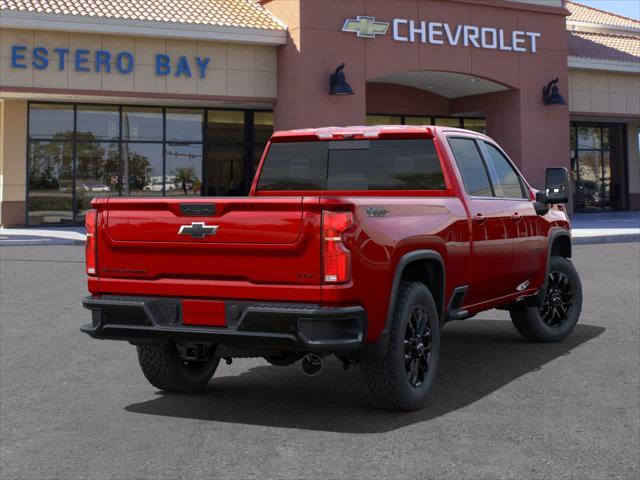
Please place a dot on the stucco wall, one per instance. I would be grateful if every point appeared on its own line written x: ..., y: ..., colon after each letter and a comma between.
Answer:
x: 592, y: 91
x: 385, y: 98
x: 234, y: 70
x: 13, y: 161
x: 545, y: 3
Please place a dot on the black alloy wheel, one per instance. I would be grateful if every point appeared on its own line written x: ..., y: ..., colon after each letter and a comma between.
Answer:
x: 556, y: 316
x: 417, y: 346
x: 558, y: 300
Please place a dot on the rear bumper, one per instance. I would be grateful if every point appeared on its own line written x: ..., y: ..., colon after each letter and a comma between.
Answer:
x: 291, y: 327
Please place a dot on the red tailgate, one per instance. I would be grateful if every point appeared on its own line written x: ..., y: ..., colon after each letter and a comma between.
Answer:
x: 238, y: 220
x: 255, y: 248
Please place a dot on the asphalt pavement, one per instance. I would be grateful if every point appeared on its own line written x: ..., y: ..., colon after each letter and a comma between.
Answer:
x: 72, y: 407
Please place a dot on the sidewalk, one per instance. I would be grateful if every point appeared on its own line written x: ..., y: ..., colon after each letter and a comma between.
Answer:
x: 42, y: 236
x: 588, y: 229
x: 606, y: 227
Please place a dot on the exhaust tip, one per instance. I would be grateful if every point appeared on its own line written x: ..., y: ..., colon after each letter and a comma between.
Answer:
x: 311, y: 364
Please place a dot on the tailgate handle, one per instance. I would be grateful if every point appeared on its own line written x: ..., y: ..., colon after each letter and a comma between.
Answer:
x: 197, y: 209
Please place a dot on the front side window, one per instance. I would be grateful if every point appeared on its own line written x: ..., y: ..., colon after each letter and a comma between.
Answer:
x: 506, y: 181
x: 474, y: 174
x: 353, y: 165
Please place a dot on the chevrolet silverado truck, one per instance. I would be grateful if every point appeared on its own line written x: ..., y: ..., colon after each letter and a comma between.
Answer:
x: 358, y: 242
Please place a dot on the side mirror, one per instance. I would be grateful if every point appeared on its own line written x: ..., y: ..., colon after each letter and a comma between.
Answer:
x: 557, y: 186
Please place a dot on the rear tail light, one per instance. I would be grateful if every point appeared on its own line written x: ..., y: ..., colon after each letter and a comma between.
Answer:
x: 91, y: 253
x: 336, y: 258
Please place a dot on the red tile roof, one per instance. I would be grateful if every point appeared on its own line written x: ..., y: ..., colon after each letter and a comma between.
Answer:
x: 224, y: 13
x: 582, y: 13
x: 624, y: 48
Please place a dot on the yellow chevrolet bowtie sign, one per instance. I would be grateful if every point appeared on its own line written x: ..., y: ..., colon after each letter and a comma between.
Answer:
x: 365, y: 27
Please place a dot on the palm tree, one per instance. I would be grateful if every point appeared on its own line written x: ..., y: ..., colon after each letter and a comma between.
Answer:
x: 185, y: 176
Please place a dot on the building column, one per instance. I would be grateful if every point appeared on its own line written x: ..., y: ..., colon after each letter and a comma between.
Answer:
x: 13, y: 162
x: 304, y: 66
x: 633, y: 156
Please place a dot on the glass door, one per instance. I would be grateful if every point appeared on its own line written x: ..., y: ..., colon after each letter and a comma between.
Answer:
x: 235, y: 140
x: 598, y: 167
x: 225, y: 153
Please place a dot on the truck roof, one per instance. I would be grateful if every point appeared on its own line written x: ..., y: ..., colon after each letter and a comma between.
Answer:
x: 362, y: 131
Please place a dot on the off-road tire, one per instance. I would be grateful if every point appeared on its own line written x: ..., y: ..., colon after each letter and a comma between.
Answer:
x: 529, y: 319
x: 386, y: 377
x: 163, y: 367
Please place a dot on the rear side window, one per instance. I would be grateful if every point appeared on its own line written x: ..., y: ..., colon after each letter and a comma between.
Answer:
x: 474, y: 174
x: 295, y: 166
x: 506, y: 180
x: 353, y: 165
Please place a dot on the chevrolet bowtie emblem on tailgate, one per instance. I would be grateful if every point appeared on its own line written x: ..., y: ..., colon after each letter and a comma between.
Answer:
x: 198, y: 230
x: 365, y: 27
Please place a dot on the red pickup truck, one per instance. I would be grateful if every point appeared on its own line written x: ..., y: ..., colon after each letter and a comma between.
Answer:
x: 360, y: 242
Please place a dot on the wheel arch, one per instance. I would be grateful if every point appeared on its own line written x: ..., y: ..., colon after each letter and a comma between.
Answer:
x: 424, y: 266
x: 559, y: 244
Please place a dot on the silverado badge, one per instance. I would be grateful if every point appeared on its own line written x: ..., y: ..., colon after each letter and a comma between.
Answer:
x: 198, y: 230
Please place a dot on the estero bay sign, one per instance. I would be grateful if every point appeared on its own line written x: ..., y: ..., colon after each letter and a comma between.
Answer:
x: 98, y: 61
x: 439, y: 33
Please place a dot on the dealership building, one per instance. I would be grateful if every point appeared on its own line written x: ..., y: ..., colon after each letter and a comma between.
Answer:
x: 178, y: 97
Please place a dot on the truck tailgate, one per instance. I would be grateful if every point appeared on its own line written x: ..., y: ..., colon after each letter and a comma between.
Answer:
x: 203, y: 246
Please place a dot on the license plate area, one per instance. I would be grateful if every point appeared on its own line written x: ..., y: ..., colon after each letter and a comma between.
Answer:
x: 204, y: 313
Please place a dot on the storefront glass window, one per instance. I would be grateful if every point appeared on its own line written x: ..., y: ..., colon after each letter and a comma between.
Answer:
x: 606, y: 144
x: 475, y: 124
x: 384, y: 120
x: 97, y: 123
x: 263, y: 129
x: 78, y: 152
x: 184, y: 169
x: 97, y: 173
x: 143, y: 169
x: 142, y: 124
x: 417, y: 120
x: 589, y: 137
x: 50, y: 121
x: 50, y: 172
x: 184, y: 125
x: 448, y: 122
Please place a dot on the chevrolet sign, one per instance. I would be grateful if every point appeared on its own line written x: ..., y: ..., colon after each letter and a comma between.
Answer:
x: 437, y: 33
x: 365, y: 27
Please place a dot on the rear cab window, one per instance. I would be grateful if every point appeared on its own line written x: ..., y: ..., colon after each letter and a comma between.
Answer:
x: 361, y: 165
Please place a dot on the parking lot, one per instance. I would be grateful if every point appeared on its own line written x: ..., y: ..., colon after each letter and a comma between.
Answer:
x: 72, y: 407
